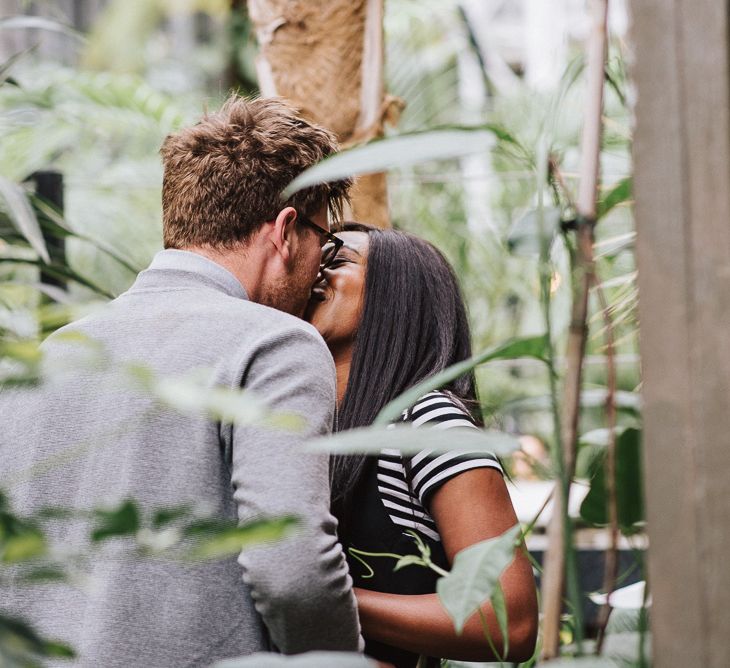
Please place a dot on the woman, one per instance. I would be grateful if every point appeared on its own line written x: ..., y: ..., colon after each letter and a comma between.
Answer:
x: 390, y: 310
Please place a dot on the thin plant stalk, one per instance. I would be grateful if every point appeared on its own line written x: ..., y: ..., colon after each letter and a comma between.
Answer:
x: 531, y: 525
x: 551, y: 616
x: 610, y: 572
x: 559, y: 554
x: 562, y: 525
x: 559, y: 183
x: 643, y: 625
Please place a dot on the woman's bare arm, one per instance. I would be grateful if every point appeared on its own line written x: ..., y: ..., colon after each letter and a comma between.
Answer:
x: 469, y: 508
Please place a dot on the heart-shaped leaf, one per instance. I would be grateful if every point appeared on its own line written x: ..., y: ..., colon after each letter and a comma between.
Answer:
x: 475, y: 574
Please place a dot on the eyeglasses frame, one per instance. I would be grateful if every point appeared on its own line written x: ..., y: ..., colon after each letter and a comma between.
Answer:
x: 335, y: 241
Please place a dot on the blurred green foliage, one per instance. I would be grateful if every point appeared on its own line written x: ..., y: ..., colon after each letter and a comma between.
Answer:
x: 101, y: 127
x: 100, y: 122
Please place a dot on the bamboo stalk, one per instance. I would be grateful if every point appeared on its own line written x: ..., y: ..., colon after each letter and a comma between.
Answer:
x: 610, y: 570
x: 554, y: 576
x: 557, y: 457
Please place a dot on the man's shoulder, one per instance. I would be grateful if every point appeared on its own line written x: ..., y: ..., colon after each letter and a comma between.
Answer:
x: 218, y: 323
x: 266, y: 324
x: 212, y: 307
x: 253, y: 329
x: 279, y: 321
x: 290, y: 335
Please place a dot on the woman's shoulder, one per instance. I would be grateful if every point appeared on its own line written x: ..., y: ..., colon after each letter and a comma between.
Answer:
x: 439, y: 407
x: 429, y: 470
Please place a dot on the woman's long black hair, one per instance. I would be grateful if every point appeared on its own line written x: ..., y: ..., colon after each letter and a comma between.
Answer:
x: 413, y: 325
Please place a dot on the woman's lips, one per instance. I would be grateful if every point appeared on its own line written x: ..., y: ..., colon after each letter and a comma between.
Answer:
x: 319, y: 294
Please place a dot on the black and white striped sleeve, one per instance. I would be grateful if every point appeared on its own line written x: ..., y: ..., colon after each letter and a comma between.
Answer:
x: 429, y: 470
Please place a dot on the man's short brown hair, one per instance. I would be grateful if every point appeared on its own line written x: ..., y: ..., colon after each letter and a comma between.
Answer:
x: 223, y: 177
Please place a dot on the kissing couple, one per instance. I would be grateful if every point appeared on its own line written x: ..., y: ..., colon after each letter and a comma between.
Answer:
x: 319, y: 318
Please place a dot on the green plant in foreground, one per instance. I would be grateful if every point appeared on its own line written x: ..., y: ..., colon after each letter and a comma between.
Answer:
x: 124, y: 108
x: 27, y: 557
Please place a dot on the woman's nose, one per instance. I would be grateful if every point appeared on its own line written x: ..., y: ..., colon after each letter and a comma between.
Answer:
x: 321, y: 276
x: 325, y: 272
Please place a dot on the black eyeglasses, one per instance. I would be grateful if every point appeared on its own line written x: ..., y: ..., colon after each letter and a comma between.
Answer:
x: 328, y: 252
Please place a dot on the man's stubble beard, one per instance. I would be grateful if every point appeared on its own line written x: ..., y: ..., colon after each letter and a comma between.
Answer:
x: 290, y: 293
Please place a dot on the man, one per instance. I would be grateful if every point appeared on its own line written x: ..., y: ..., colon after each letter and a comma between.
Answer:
x: 238, y: 266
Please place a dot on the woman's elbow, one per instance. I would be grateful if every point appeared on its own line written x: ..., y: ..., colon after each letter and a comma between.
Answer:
x: 522, y: 607
x: 522, y: 634
x: 523, y: 624
x: 521, y: 639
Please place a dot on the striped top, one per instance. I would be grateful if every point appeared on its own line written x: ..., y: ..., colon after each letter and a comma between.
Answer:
x: 407, y: 504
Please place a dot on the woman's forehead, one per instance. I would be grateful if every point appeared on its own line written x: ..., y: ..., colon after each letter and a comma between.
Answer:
x: 357, y: 241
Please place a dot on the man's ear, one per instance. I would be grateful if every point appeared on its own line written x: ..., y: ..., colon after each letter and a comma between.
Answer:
x: 283, y: 232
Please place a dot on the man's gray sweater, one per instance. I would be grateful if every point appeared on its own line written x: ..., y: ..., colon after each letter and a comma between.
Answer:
x: 91, y: 438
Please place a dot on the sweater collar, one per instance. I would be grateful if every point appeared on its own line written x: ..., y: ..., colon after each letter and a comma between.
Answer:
x: 173, y: 268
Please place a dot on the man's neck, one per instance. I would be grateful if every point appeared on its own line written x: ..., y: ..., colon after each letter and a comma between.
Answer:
x: 242, y: 262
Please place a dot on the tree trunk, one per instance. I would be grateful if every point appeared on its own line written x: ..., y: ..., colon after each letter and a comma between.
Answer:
x: 681, y: 72
x: 326, y: 57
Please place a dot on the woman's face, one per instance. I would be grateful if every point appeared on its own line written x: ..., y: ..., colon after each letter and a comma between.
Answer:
x: 336, y: 304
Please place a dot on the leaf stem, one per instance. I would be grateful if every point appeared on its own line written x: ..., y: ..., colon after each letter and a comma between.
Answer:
x: 488, y: 636
x: 358, y: 554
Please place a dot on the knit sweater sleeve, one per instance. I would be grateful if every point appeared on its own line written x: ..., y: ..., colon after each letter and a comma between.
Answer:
x: 300, y: 585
